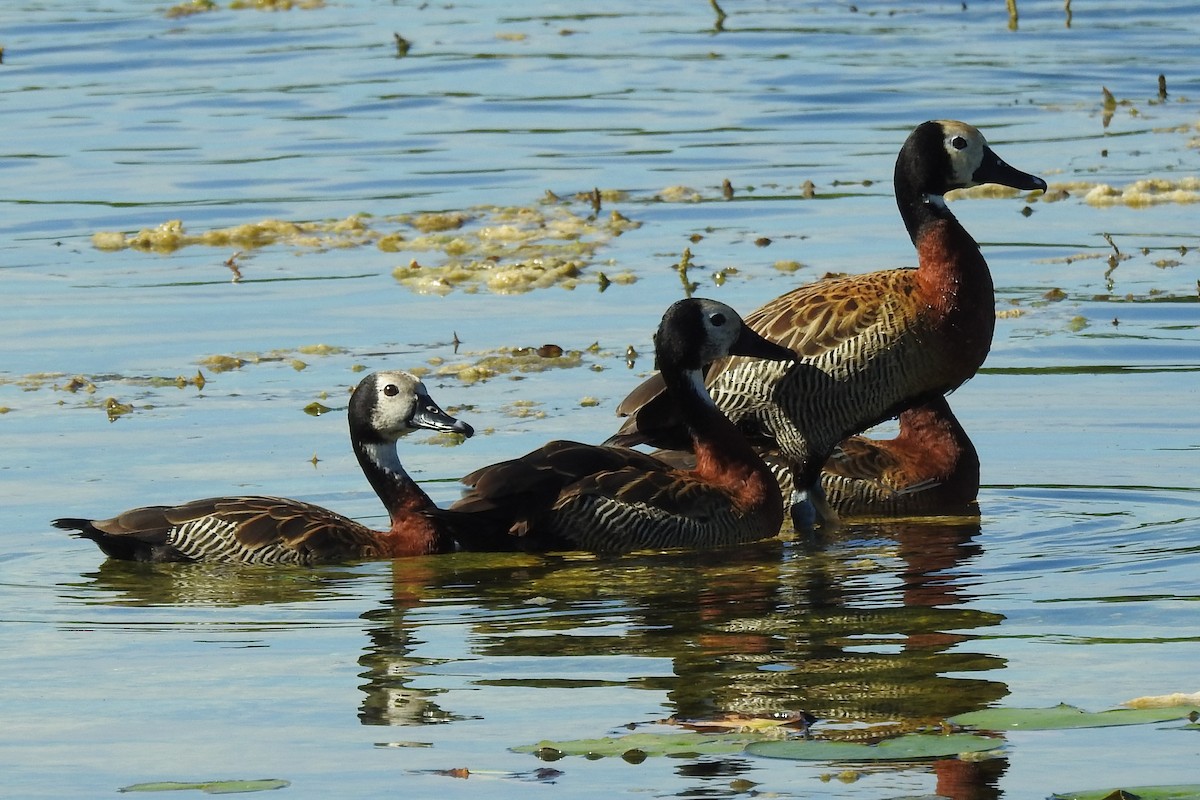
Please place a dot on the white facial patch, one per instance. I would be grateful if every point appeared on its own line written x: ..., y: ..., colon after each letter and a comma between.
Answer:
x: 393, y: 411
x: 964, y: 146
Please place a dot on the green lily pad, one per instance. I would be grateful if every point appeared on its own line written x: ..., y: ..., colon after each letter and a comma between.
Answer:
x: 916, y: 746
x: 209, y: 787
x: 1062, y: 717
x: 1189, y: 792
x: 640, y: 745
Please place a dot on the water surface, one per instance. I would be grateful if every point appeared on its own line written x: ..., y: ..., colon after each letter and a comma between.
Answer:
x: 1075, y: 585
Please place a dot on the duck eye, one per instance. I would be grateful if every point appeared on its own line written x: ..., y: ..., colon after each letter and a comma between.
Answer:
x: 391, y: 390
x: 717, y: 319
x: 958, y: 143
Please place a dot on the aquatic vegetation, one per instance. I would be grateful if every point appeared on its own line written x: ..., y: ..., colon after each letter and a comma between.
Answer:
x: 790, y: 736
x: 116, y: 409
x: 910, y: 747
x: 210, y: 787
x: 1178, y: 792
x: 226, y: 363
x: 523, y: 409
x: 171, y: 235
x: 1175, y: 699
x: 1145, y: 192
x: 680, y: 194
x: 991, y: 191
x: 490, y: 364
x: 190, y: 7
x: 277, y: 5
x: 1066, y: 717
x: 766, y: 741
x: 788, y: 266
x: 509, y: 250
x: 505, y: 250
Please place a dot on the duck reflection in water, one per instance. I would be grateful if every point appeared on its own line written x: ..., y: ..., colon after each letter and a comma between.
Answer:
x: 872, y: 630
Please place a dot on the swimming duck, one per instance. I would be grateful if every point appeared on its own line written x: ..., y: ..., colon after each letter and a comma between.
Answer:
x: 929, y: 468
x: 573, y: 496
x: 271, y: 530
x: 876, y: 343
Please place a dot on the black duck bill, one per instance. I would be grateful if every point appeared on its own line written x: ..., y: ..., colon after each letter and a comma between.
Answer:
x: 752, y: 345
x: 429, y: 414
x: 994, y: 169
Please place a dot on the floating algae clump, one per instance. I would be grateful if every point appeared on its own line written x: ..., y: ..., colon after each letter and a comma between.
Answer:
x: 1146, y: 192
x: 504, y: 361
x: 503, y: 249
x: 186, y: 9
x: 171, y: 236
x: 509, y: 250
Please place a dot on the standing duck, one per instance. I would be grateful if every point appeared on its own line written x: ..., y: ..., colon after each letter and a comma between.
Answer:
x: 271, y: 530
x: 873, y: 344
x: 567, y: 495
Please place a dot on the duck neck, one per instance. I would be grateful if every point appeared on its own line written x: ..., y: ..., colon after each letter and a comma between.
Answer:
x: 933, y: 435
x: 951, y: 270
x: 401, y: 496
x: 723, y: 456
x: 919, y: 209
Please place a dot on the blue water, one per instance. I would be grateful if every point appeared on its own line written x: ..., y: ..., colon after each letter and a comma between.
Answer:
x: 1076, y: 585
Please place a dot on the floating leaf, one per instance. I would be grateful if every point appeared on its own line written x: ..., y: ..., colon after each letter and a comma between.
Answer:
x: 315, y: 409
x: 916, y: 746
x: 1188, y: 792
x: 209, y: 787
x: 1063, y: 717
x: 796, y: 720
x: 640, y: 745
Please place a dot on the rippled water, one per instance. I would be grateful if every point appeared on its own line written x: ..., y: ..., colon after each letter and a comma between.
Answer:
x: 1076, y: 585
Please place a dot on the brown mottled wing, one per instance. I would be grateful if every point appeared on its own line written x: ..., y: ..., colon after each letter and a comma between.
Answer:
x: 820, y: 317
x: 811, y: 320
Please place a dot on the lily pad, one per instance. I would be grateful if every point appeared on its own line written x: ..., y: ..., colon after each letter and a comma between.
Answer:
x: 1063, y: 717
x: 209, y: 787
x: 912, y: 747
x: 1188, y: 792
x: 641, y: 745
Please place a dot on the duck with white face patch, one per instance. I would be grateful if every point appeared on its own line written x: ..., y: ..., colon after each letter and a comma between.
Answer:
x: 272, y: 530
